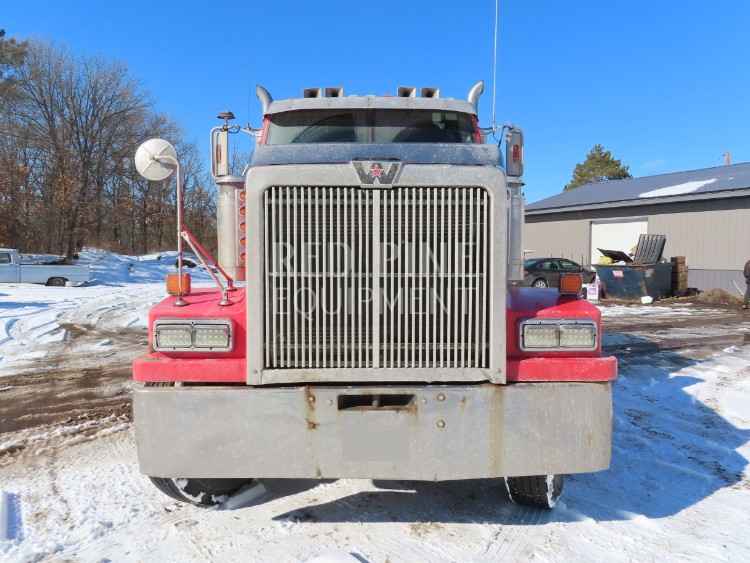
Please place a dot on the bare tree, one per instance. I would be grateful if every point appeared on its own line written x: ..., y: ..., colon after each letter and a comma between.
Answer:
x: 68, y: 134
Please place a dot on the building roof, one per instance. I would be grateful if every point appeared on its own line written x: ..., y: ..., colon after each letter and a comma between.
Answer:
x: 705, y: 183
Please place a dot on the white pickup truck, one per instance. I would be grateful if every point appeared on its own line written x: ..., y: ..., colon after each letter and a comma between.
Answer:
x: 12, y: 270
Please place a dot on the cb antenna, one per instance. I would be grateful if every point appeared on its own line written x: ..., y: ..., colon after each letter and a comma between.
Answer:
x: 494, y: 68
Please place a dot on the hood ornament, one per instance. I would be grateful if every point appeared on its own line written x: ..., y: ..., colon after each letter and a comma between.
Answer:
x: 376, y: 174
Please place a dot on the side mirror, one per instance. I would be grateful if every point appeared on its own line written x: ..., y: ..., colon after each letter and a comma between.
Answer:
x: 220, y: 152
x: 514, y: 152
x: 220, y: 145
x: 156, y: 160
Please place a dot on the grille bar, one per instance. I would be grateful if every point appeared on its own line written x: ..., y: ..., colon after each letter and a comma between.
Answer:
x: 359, y: 278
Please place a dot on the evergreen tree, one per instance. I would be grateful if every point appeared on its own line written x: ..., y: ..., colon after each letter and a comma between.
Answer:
x: 11, y: 56
x: 599, y: 165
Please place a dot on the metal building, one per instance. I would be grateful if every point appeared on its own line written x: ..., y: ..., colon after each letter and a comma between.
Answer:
x: 705, y: 215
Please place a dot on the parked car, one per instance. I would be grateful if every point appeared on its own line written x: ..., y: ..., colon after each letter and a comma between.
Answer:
x: 12, y: 270
x: 545, y: 272
x: 189, y: 260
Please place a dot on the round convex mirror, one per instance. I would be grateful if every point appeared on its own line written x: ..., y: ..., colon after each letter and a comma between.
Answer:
x: 149, y: 163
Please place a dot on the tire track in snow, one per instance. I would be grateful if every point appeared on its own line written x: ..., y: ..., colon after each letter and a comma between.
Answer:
x: 510, y: 539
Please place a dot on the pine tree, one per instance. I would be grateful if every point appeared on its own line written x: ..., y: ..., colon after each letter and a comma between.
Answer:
x: 11, y: 56
x: 599, y: 165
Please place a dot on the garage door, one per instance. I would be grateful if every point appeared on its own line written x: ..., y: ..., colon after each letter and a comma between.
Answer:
x: 616, y: 235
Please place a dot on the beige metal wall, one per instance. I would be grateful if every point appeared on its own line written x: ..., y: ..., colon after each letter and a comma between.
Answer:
x: 712, y: 234
x: 561, y: 239
x: 711, y: 239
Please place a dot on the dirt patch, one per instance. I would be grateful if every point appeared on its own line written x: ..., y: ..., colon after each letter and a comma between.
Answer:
x: 636, y: 322
x: 59, y: 396
x: 718, y: 297
x: 421, y: 529
x: 712, y: 297
x: 84, y: 427
x: 76, y: 381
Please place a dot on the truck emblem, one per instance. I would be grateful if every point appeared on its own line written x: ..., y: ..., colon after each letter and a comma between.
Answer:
x: 371, y: 173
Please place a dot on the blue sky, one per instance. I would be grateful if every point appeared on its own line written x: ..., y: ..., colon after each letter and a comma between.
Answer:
x: 664, y: 84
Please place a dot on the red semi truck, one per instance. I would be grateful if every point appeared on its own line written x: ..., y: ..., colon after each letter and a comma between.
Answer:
x: 367, y: 320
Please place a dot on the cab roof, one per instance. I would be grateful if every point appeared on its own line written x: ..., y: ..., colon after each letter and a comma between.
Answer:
x: 407, y: 98
x: 371, y: 102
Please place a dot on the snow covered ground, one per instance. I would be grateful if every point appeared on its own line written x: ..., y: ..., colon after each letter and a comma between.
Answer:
x: 37, y: 322
x: 678, y: 310
x: 678, y: 488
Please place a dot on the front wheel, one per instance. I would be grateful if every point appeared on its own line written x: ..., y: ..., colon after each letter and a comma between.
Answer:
x: 541, y: 491
x: 540, y: 283
x: 201, y: 492
x: 56, y: 282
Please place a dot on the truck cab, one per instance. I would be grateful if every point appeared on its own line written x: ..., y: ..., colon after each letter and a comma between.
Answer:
x: 372, y: 324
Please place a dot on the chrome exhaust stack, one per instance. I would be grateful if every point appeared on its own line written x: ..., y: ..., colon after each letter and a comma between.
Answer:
x: 312, y: 93
x: 514, y: 173
x: 264, y: 96
x: 334, y: 92
x: 229, y: 208
x: 475, y: 93
x: 407, y: 92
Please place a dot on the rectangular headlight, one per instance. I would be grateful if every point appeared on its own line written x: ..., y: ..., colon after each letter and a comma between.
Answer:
x: 578, y: 336
x: 184, y: 335
x: 563, y: 334
x: 212, y: 336
x: 173, y: 336
x: 540, y: 336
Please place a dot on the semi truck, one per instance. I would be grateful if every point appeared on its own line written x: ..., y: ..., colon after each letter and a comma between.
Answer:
x: 368, y: 319
x: 14, y: 270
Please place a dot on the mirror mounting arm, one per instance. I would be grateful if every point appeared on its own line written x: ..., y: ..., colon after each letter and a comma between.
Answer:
x: 252, y: 131
x: 202, y: 255
x: 179, y: 302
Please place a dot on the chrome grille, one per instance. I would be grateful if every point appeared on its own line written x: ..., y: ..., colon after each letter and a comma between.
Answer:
x: 391, y: 278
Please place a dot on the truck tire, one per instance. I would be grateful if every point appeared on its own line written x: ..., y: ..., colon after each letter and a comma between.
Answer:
x: 200, y: 492
x: 541, y: 491
x: 56, y: 282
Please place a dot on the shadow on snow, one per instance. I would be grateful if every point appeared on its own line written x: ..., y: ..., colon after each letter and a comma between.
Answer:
x: 7, y: 305
x: 670, y: 451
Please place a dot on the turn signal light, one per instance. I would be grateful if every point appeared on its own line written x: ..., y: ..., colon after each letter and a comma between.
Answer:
x: 174, y: 287
x: 571, y: 283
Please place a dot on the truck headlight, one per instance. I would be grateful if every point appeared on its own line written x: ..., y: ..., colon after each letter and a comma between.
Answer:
x: 211, y: 336
x: 172, y: 336
x: 540, y: 336
x: 563, y: 334
x: 184, y: 335
x: 581, y: 336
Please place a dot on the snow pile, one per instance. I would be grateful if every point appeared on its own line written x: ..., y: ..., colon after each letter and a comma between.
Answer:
x: 41, y: 258
x: 656, y: 311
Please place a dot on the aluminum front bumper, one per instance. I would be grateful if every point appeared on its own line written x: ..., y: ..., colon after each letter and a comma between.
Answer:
x: 446, y: 431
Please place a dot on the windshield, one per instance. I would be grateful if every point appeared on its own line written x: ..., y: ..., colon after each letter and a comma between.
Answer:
x: 528, y: 263
x: 370, y: 126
